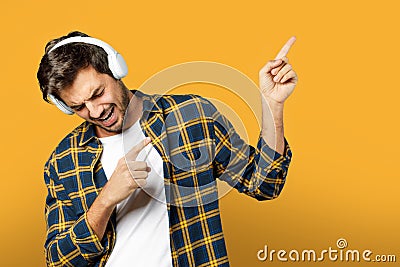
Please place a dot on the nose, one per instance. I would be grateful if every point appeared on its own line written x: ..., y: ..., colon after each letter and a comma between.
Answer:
x: 95, y: 111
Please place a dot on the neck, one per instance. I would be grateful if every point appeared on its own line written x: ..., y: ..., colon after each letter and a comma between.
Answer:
x: 134, y: 110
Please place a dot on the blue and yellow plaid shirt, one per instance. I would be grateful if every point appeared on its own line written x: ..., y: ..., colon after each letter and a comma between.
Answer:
x: 197, y: 145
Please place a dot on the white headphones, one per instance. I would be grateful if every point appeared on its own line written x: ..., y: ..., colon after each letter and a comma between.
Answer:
x: 116, y: 63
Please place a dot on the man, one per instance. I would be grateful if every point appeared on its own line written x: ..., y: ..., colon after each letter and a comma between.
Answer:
x: 149, y: 198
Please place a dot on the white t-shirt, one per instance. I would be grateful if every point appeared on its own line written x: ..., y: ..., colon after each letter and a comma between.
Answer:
x: 142, y: 232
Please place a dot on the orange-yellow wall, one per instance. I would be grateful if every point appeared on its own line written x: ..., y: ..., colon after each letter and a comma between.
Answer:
x: 341, y: 121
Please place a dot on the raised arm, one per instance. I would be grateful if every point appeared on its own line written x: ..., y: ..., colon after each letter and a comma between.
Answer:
x: 277, y: 81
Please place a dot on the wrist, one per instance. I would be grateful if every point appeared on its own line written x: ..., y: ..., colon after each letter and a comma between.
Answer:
x: 274, y: 105
x: 104, y: 201
x: 272, y: 108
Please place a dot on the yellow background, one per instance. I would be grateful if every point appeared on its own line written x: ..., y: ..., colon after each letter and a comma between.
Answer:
x: 341, y: 121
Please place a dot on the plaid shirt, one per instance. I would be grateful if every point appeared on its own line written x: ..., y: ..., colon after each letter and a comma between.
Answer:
x: 197, y: 145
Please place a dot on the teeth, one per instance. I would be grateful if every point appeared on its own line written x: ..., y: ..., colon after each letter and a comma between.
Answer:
x: 108, y: 115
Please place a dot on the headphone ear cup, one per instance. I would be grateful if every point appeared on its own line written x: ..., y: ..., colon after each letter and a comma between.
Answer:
x: 123, y: 68
x: 117, y: 65
x: 61, y: 105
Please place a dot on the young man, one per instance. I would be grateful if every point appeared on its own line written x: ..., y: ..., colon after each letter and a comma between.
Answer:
x: 135, y: 183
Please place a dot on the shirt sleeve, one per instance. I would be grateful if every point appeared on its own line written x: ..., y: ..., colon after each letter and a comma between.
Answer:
x: 259, y: 172
x: 70, y: 241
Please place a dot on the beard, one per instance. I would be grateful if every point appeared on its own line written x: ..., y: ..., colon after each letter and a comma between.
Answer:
x: 118, y: 126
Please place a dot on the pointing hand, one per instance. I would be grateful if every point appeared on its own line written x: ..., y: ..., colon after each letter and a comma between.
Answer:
x: 277, y: 78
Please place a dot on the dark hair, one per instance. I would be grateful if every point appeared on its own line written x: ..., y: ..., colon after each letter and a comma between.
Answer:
x: 59, y: 68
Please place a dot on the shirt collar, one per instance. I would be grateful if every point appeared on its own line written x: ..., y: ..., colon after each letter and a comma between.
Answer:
x: 150, y: 104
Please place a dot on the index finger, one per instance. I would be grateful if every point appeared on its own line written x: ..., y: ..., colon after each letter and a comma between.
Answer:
x: 285, y: 49
x: 134, y: 152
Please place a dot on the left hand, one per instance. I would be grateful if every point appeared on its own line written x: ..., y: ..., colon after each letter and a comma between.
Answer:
x: 277, y: 78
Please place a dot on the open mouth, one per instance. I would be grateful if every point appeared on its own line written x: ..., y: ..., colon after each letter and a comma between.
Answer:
x: 108, y: 119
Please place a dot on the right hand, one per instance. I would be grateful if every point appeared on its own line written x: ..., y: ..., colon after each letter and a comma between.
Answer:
x: 127, y: 176
x: 277, y: 78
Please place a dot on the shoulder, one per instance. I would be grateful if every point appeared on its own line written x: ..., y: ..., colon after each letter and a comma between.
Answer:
x: 167, y: 103
x: 68, y: 142
x: 187, y: 103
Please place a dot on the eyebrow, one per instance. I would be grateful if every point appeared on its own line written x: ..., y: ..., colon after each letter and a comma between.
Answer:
x: 94, y: 92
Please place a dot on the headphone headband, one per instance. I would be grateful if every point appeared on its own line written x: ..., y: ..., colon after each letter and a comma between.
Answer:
x: 87, y: 40
x: 116, y: 63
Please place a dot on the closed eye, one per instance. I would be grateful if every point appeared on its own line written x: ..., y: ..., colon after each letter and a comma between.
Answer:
x: 78, y: 108
x: 99, y: 94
